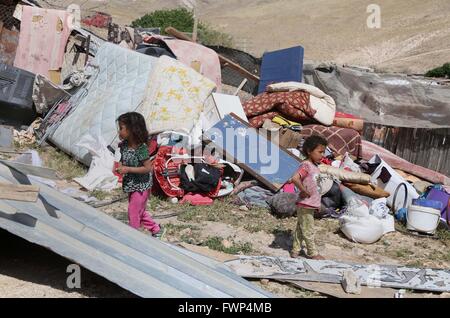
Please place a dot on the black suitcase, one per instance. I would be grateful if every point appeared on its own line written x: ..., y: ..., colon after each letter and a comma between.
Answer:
x: 16, y: 102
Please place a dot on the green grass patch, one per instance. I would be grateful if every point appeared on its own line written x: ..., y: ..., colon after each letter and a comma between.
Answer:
x: 183, y: 20
x: 66, y: 167
x: 442, y: 71
x: 215, y: 243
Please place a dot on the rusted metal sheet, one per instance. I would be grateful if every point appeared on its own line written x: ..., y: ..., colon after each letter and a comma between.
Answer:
x: 8, y: 45
x: 429, y: 148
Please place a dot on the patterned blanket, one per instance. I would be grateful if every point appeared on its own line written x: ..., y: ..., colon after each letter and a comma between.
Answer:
x: 340, y: 140
x: 175, y: 97
x: 292, y: 105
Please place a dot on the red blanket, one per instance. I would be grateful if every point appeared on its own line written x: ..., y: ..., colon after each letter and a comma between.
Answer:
x: 291, y: 105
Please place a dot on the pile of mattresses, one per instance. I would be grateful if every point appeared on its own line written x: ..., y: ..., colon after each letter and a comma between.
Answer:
x: 125, y: 81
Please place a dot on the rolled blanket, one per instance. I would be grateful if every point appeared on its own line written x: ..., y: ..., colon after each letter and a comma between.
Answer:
x: 367, y: 190
x: 356, y: 124
x: 370, y: 149
x: 322, y: 104
x: 294, y: 105
x: 344, y: 175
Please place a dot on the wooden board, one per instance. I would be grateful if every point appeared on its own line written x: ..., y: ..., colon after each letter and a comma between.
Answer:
x: 227, y: 104
x: 264, y: 160
x: 19, y: 192
x: 335, y: 290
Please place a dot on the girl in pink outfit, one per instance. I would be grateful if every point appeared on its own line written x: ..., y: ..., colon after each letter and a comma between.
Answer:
x: 136, y: 167
x: 309, y: 198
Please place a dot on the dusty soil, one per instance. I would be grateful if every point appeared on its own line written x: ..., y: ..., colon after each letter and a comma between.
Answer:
x: 27, y: 270
x: 414, y: 35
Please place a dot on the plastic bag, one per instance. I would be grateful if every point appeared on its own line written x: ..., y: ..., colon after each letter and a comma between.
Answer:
x: 100, y: 175
x: 366, y: 230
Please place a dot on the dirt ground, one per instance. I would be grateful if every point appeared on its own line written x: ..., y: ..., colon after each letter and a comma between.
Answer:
x: 414, y: 35
x: 27, y: 270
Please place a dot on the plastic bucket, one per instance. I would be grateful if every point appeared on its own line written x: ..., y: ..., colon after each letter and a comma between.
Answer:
x: 422, y: 219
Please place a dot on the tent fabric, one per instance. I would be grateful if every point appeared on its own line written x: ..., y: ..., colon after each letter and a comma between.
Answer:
x: 281, y: 66
x: 42, y: 40
x: 118, y: 87
x: 387, y: 99
x: 175, y: 97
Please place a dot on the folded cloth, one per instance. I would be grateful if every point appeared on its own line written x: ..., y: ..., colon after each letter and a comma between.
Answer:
x: 345, y: 175
x: 323, y: 105
x: 368, y: 190
x: 293, y: 105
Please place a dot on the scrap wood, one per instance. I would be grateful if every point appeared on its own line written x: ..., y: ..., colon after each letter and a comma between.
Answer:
x: 336, y: 290
x: 19, y: 192
x: 179, y: 35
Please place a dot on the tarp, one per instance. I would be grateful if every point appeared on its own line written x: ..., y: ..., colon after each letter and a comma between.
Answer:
x: 387, y: 99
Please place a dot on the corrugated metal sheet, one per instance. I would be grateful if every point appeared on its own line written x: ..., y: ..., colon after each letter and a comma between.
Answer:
x: 110, y: 248
x: 429, y: 148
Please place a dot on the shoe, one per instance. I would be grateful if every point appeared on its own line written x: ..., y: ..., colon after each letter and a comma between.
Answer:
x: 160, y: 234
x: 294, y: 254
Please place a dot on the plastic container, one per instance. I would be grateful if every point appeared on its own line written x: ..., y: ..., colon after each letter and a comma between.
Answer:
x: 428, y: 203
x: 422, y: 219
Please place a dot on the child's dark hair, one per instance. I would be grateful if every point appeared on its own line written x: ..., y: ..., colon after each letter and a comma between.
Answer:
x: 312, y: 142
x: 135, y: 124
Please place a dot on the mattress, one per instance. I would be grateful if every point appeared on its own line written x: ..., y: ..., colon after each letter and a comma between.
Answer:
x: 175, y: 97
x: 281, y: 66
x: 118, y: 87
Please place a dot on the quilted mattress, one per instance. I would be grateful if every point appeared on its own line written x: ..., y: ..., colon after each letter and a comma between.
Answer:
x: 119, y: 87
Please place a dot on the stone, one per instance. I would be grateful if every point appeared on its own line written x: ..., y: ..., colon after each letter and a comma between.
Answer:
x: 264, y: 282
x: 227, y: 244
x: 243, y: 208
x: 351, y: 283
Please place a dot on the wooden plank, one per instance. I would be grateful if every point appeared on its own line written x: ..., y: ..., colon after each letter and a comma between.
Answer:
x: 335, y: 290
x: 18, y: 187
x: 177, y: 34
x: 19, y: 192
x: 244, y: 81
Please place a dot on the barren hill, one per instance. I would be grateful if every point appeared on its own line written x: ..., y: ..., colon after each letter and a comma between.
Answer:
x: 414, y: 34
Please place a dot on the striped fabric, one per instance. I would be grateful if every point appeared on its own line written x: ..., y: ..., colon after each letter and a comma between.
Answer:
x: 340, y: 140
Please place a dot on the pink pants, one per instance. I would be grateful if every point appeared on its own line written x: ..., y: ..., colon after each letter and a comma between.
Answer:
x: 137, y: 215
